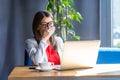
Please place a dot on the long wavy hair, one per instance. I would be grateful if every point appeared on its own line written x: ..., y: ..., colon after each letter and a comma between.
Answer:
x: 36, y: 22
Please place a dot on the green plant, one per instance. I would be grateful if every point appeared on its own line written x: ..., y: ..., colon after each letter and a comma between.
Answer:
x: 63, y: 13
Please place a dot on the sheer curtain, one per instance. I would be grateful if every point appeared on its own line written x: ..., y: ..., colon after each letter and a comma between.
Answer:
x: 15, y: 27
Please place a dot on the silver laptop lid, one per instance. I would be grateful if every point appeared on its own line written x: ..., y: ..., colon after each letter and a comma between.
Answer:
x: 80, y: 54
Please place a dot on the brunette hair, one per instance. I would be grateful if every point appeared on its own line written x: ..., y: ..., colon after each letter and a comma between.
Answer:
x: 36, y: 22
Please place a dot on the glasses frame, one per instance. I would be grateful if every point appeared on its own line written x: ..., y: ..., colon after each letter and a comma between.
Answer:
x: 48, y: 24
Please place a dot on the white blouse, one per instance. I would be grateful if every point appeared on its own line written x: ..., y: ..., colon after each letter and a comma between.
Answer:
x: 37, y: 52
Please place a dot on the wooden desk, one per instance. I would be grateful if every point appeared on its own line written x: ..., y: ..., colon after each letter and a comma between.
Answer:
x: 99, y: 71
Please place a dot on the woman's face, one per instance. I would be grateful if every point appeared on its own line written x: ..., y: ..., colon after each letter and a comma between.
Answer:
x: 45, y: 24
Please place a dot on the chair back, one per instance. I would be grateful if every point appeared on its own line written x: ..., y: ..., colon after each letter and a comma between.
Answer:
x: 28, y: 61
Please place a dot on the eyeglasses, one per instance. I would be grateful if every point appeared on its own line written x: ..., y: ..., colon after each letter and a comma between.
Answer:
x: 51, y: 23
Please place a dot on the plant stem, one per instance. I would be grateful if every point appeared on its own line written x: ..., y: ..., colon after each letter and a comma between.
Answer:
x: 66, y: 19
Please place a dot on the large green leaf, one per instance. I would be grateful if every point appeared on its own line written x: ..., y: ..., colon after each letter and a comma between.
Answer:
x: 63, y: 13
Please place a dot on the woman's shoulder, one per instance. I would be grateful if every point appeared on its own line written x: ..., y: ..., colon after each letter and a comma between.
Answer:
x: 31, y: 40
x: 58, y: 39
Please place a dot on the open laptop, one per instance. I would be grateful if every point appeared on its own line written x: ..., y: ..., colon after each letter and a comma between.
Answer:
x: 79, y: 54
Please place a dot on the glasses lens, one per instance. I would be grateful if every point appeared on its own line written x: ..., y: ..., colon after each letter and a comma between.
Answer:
x: 43, y: 25
x: 50, y: 23
x: 47, y: 24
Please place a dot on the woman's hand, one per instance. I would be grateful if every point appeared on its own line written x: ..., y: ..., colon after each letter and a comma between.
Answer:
x: 51, y: 31
x: 47, y: 33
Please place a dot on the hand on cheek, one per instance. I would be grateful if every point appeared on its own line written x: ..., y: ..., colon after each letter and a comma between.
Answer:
x: 51, y: 30
x: 47, y: 33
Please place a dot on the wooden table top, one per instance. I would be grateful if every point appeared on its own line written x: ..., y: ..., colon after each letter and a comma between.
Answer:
x: 100, y: 70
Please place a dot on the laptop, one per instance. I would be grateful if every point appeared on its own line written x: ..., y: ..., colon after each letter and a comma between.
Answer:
x: 79, y: 54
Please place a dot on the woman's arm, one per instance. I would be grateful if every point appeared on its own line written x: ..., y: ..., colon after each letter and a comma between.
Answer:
x: 36, y: 52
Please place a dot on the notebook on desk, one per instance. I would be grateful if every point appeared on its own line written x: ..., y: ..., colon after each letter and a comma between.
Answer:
x: 79, y: 54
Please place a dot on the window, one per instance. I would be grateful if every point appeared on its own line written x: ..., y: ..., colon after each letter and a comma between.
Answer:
x: 115, y: 23
x: 110, y: 23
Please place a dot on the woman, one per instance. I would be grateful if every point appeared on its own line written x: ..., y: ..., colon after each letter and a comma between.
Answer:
x: 44, y: 47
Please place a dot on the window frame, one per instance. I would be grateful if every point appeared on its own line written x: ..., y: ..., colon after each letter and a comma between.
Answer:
x: 105, y: 23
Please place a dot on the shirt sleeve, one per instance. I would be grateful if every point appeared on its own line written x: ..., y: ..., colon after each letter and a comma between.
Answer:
x: 36, y: 51
x: 60, y: 45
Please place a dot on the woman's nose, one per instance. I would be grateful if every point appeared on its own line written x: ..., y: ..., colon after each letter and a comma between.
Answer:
x: 48, y: 27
